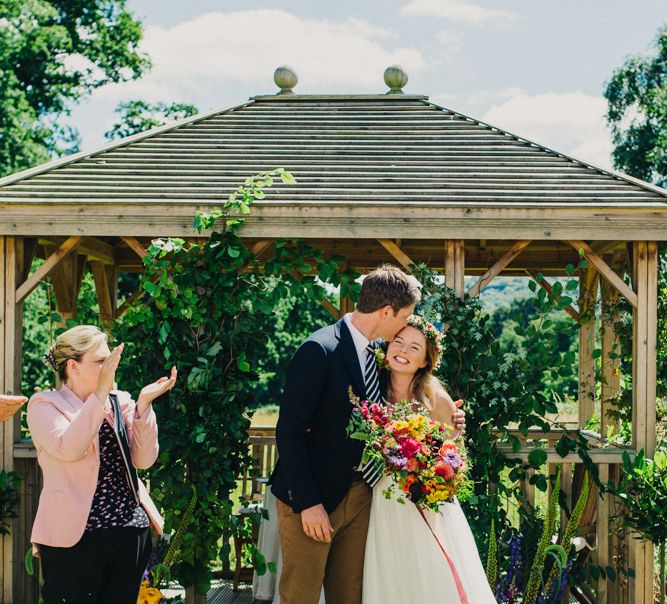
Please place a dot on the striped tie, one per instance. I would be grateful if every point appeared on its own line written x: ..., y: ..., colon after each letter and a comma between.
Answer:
x: 372, y: 471
x: 371, y: 375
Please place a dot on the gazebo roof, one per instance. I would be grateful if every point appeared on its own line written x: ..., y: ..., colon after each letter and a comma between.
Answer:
x: 367, y: 167
x: 342, y: 149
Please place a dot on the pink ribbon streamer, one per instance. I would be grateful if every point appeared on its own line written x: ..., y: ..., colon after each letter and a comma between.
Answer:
x: 457, y: 580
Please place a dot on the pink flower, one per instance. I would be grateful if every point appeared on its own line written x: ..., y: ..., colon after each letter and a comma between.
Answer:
x: 410, y: 447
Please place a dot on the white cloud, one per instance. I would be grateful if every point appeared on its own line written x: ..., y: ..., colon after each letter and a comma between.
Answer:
x: 197, y: 58
x: 456, y: 10
x: 572, y: 123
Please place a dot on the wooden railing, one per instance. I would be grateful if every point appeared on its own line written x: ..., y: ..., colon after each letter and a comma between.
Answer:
x: 594, y: 525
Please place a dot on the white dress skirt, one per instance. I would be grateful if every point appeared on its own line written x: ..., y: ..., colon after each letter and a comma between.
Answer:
x: 405, y: 563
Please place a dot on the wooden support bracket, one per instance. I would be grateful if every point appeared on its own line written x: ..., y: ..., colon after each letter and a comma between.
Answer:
x: 498, y: 267
x: 549, y: 289
x: 134, y: 245
x: 605, y: 271
x: 399, y: 255
x: 50, y: 263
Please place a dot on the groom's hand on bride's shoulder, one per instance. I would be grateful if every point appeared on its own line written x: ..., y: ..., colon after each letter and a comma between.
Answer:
x: 459, y: 418
x: 316, y: 523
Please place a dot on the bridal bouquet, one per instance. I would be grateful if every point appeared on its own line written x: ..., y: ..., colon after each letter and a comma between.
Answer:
x: 425, y: 463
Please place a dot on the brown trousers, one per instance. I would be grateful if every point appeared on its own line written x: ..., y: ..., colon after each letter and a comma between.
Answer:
x: 339, y: 565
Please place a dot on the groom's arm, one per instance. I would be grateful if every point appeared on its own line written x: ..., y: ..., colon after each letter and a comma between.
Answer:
x: 306, y: 376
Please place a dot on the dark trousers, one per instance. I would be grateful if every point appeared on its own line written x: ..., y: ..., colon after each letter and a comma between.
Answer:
x: 105, y: 567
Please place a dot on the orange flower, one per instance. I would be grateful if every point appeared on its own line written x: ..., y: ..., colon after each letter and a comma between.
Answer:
x: 409, y: 481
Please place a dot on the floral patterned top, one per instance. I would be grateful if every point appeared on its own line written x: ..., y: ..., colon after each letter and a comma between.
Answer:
x: 113, y: 502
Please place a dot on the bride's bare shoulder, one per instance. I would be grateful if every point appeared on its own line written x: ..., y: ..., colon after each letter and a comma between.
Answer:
x: 443, y: 407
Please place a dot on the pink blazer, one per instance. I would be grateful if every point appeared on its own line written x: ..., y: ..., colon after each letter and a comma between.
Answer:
x: 65, y: 433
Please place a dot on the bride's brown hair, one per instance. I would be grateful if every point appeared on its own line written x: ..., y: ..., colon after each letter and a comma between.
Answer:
x: 425, y: 386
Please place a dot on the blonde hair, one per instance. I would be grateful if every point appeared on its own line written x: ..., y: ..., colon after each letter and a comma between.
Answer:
x: 73, y: 344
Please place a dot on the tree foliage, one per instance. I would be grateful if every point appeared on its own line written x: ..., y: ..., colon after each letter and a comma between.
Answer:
x: 52, y: 54
x: 139, y: 116
x: 637, y: 114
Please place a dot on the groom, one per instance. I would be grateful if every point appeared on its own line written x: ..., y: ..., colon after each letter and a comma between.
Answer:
x: 323, y: 501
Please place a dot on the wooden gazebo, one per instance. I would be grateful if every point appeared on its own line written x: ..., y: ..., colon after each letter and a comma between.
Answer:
x: 385, y: 177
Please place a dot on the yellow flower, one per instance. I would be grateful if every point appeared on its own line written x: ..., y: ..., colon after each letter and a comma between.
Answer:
x: 148, y: 594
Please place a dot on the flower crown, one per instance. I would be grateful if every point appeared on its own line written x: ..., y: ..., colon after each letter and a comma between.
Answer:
x: 433, y: 334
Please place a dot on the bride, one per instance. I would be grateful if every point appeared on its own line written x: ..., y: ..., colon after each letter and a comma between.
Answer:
x: 410, y: 557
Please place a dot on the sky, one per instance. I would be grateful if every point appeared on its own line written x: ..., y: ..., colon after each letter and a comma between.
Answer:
x: 534, y: 67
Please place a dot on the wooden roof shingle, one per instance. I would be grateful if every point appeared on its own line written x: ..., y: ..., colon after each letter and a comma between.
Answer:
x: 379, y: 149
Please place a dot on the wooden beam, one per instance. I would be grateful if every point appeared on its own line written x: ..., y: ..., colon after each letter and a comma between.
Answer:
x: 549, y: 289
x: 52, y: 261
x: 91, y: 247
x: 498, y: 267
x: 12, y: 265
x: 259, y: 246
x: 399, y: 255
x: 606, y: 272
x: 333, y: 311
x: 588, y: 289
x: 643, y: 396
x: 128, y: 302
x: 136, y: 246
x: 455, y: 265
x: 104, y: 292
x: 603, y: 534
x: 610, y: 344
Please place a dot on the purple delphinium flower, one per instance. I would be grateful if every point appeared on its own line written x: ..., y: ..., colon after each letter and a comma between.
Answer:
x: 507, y: 591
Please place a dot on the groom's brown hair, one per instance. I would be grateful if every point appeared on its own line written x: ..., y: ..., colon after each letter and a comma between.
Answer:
x: 388, y: 285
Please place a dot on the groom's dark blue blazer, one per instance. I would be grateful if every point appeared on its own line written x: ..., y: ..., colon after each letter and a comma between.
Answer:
x: 316, y: 458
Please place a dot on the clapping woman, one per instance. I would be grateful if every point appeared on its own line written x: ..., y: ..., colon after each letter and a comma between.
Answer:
x: 91, y: 530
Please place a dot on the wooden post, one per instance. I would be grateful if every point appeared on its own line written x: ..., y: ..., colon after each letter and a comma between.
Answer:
x: 610, y: 345
x: 12, y: 266
x: 644, y: 325
x: 588, y: 282
x: 455, y: 265
x: 602, y: 534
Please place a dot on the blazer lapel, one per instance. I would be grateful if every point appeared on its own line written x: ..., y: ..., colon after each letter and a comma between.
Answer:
x: 350, y: 357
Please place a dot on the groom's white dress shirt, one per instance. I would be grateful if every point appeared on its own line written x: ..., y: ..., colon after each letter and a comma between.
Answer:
x: 360, y: 342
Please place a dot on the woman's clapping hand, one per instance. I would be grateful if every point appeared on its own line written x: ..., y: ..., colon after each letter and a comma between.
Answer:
x: 151, y: 391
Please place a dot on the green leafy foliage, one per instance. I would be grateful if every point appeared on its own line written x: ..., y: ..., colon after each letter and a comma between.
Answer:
x: 503, y: 385
x: 549, y: 527
x: 637, y: 114
x: 9, y: 498
x: 209, y: 308
x: 52, y: 54
x: 138, y: 116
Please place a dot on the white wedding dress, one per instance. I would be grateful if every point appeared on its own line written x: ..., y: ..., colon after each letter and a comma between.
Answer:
x: 405, y: 563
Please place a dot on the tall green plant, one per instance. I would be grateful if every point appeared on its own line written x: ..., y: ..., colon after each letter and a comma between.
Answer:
x: 209, y: 308
x: 535, y: 577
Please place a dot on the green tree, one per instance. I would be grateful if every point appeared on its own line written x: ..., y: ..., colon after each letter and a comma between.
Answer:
x: 52, y: 54
x: 138, y: 116
x: 637, y: 114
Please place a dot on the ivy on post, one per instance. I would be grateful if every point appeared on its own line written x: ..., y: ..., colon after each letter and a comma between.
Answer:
x: 208, y: 307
